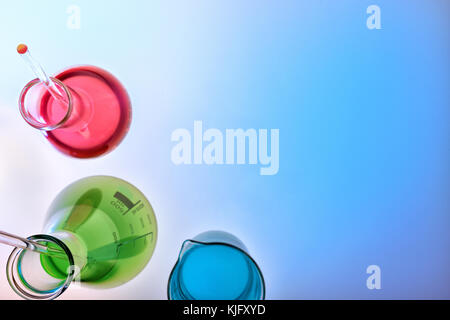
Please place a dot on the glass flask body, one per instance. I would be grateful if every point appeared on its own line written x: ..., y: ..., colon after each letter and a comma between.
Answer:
x: 91, y: 118
x: 107, y: 225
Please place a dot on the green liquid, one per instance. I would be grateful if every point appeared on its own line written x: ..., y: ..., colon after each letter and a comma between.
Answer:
x: 55, y: 265
x: 108, y: 224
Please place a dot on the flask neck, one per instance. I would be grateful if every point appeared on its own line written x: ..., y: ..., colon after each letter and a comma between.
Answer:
x: 77, y: 248
x: 43, y: 110
x: 38, y: 276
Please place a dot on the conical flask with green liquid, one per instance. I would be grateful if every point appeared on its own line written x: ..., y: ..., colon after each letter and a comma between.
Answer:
x: 99, y: 230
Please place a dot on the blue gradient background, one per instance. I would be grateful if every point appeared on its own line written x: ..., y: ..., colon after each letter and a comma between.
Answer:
x: 364, y: 134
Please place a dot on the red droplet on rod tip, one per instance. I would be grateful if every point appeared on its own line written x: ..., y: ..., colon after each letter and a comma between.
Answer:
x: 22, y: 48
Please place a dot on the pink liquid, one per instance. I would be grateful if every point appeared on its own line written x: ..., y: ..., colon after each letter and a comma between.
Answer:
x: 100, y: 117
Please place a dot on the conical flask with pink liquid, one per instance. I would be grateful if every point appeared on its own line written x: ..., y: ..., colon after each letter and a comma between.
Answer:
x: 83, y: 111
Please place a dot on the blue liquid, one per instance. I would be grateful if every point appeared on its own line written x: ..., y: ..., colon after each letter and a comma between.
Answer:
x: 215, y: 272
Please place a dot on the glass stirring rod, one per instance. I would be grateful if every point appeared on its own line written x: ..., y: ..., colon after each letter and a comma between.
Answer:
x: 19, y: 242
x: 56, y: 93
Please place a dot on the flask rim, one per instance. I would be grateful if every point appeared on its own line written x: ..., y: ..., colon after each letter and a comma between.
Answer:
x: 16, y: 280
x: 30, y: 119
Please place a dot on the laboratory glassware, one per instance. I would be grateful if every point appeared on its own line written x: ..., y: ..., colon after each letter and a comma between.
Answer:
x: 215, y: 265
x: 99, y: 230
x: 83, y: 111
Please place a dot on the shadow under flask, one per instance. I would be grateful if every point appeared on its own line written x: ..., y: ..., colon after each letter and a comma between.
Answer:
x: 100, y: 230
x: 90, y: 117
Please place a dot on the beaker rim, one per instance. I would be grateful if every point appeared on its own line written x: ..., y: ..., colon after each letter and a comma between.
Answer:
x: 258, y: 269
x: 34, y: 123
x: 13, y: 272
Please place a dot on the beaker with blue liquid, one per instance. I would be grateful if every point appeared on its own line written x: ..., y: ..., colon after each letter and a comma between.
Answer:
x: 215, y: 265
